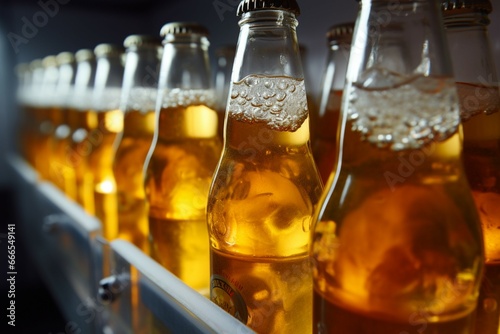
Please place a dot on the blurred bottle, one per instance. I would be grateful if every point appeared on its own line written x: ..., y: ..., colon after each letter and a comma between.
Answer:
x: 24, y: 82
x: 266, y: 184
x: 397, y: 242
x: 325, y: 123
x: 106, y: 106
x: 61, y: 170
x: 466, y: 24
x: 224, y: 66
x: 82, y: 120
x: 139, y: 91
x: 35, y: 114
x: 50, y: 116
x: 183, y: 155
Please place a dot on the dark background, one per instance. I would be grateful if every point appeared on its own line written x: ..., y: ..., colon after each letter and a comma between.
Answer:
x: 70, y: 25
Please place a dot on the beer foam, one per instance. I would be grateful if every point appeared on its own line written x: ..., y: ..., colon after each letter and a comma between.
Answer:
x: 142, y: 99
x: 173, y: 98
x: 107, y: 99
x: 406, y: 115
x: 279, y: 102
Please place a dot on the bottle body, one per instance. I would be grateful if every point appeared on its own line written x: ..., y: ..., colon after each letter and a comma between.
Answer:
x: 183, y: 156
x: 135, y: 141
x: 139, y: 92
x: 477, y: 85
x: 326, y: 122
x: 266, y: 185
x: 178, y: 175
x: 396, y: 243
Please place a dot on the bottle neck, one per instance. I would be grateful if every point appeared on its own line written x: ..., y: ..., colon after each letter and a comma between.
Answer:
x: 140, y: 80
x: 470, y: 48
x: 267, y: 45
x: 185, y: 63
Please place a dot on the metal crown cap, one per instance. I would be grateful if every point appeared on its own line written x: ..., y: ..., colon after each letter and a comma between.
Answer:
x: 339, y: 31
x: 49, y: 61
x: 141, y: 40
x: 246, y: 6
x: 449, y: 6
x: 65, y: 58
x: 181, y: 28
x: 84, y: 54
x: 106, y: 49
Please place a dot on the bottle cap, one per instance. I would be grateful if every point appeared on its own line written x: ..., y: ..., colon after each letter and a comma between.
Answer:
x: 181, y: 28
x: 340, y: 31
x: 65, y: 58
x: 35, y: 64
x: 141, y: 40
x: 84, y: 54
x: 106, y: 49
x: 49, y: 61
x: 246, y: 6
x: 451, y: 7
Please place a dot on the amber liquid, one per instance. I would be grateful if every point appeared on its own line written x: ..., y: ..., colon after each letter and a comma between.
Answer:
x: 45, y: 126
x: 62, y: 173
x: 339, y: 319
x: 325, y: 142
x: 28, y: 129
x: 259, y: 216
x: 81, y: 144
x: 481, y: 159
x: 178, y: 176
x: 100, y: 159
x: 398, y: 246
x: 131, y: 152
x: 265, y: 285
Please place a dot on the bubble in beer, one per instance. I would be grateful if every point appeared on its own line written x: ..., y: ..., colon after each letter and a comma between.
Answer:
x: 177, y: 97
x: 142, y: 99
x: 279, y: 102
x: 431, y: 111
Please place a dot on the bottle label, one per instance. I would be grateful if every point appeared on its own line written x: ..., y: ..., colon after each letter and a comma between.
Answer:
x: 228, y: 298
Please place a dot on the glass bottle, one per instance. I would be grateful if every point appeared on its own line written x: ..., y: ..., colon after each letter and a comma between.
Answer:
x: 82, y: 120
x: 140, y: 86
x: 266, y: 184
x: 183, y: 155
x: 24, y: 82
x: 466, y: 24
x: 36, y: 114
x: 61, y: 171
x: 397, y: 243
x: 50, y: 116
x: 224, y: 66
x: 106, y: 106
x: 325, y: 127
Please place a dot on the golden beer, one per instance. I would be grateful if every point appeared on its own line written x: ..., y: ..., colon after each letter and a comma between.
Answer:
x: 134, y: 144
x: 100, y: 162
x: 481, y: 157
x: 178, y: 175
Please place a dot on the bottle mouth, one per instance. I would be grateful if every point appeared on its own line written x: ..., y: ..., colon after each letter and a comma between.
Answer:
x: 273, y: 17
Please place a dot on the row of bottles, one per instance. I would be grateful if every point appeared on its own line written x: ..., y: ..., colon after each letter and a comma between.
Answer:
x: 225, y: 187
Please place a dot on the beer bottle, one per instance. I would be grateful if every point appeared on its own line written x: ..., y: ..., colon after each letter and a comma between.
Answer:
x: 140, y: 86
x: 183, y: 155
x: 106, y: 106
x: 24, y: 82
x: 82, y: 120
x: 34, y: 112
x: 397, y: 242
x: 325, y: 124
x: 50, y: 116
x: 224, y: 66
x: 61, y: 171
x: 466, y: 24
x: 266, y: 184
